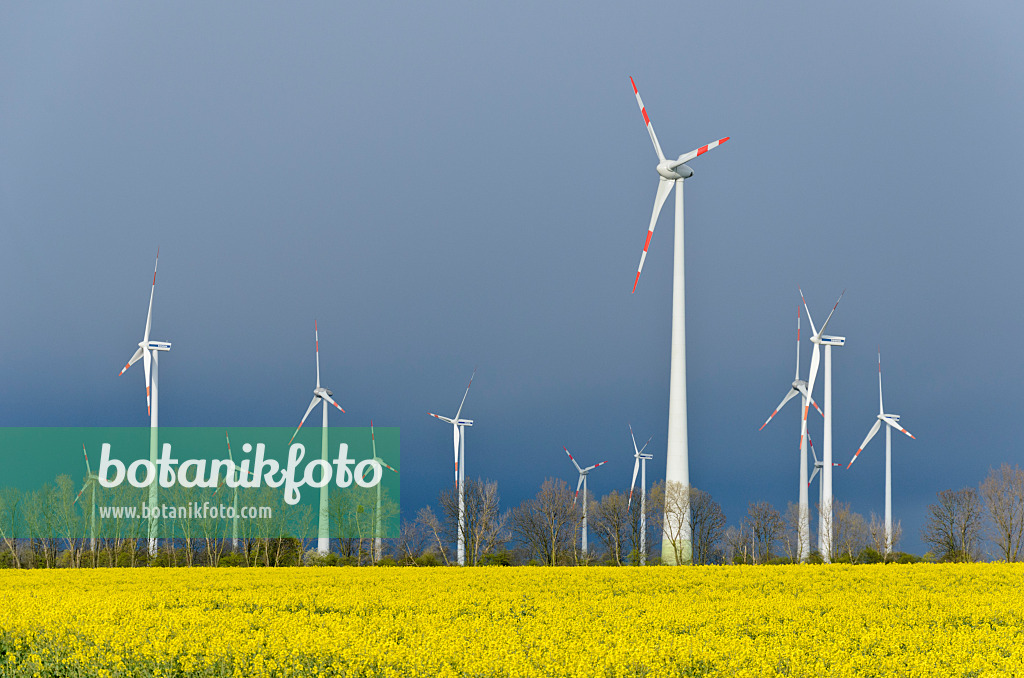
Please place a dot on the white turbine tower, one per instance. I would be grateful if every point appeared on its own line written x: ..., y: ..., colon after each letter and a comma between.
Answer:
x: 819, y: 338
x: 90, y: 481
x: 236, y: 474
x: 582, y: 481
x: 799, y: 387
x: 640, y: 465
x: 891, y: 422
x: 149, y: 350
x: 459, y: 435
x: 320, y: 394
x: 377, y: 542
x: 677, y: 466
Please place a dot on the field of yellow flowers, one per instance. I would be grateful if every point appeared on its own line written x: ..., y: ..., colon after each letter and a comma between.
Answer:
x: 919, y: 620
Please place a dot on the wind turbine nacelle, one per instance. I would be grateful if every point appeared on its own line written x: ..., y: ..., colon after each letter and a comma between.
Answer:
x: 826, y: 340
x: 159, y: 346
x: 677, y: 172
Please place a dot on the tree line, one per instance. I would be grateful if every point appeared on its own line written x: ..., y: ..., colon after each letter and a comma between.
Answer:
x: 964, y: 525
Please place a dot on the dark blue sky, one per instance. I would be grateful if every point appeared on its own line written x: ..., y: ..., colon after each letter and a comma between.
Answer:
x: 468, y: 184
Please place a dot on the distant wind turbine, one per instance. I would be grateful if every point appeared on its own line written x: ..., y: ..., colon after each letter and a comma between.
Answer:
x: 891, y: 422
x: 582, y: 481
x: 149, y: 350
x: 90, y: 481
x: 799, y: 387
x: 640, y: 465
x: 320, y: 394
x: 459, y: 436
x: 377, y: 542
x: 677, y: 466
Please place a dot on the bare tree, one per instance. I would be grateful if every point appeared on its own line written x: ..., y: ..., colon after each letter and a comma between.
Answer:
x: 1003, y: 496
x: 953, y: 526
x: 431, y: 526
x: 609, y: 518
x: 850, y: 530
x: 876, y: 533
x: 765, y: 526
x: 11, y: 521
x: 484, y: 526
x: 707, y: 524
x: 737, y: 543
x: 411, y: 543
x: 546, y: 524
x: 791, y: 535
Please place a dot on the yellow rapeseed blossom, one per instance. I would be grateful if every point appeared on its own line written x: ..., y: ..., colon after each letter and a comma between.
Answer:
x: 868, y: 620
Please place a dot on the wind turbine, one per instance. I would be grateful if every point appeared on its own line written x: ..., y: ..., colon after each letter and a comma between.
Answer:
x: 639, y: 465
x: 90, y: 479
x: 818, y: 338
x: 582, y: 481
x: 459, y: 435
x: 320, y: 394
x: 237, y: 474
x: 891, y: 422
x: 377, y: 543
x: 149, y: 350
x: 799, y: 386
x: 677, y: 465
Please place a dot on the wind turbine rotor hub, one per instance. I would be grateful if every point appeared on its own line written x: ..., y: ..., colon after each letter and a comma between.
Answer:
x: 666, y: 170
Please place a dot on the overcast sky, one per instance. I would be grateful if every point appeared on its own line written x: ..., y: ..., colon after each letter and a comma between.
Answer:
x: 452, y: 185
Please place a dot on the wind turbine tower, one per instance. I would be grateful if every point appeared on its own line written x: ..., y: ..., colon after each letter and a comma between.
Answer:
x: 641, y: 465
x: 672, y: 173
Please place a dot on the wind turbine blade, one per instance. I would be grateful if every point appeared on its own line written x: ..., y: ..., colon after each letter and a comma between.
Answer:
x: 892, y: 422
x: 831, y: 312
x: 686, y: 157
x: 465, y: 394
x: 645, y: 445
x: 811, y: 479
x: 635, y: 450
x: 797, y: 377
x: 226, y: 438
x: 814, y: 332
x: 591, y: 468
x: 647, y: 121
x: 786, y: 399
x: 314, y: 403
x: 373, y: 440
x: 146, y: 360
x: 806, y: 394
x: 134, y: 359
x: 871, y: 434
x: 664, y: 188
x: 77, y: 496
x: 636, y: 470
x: 571, y: 459
x: 331, y: 401
x: 316, y: 338
x: 579, y: 483
x: 815, y: 360
x: 149, y: 313
x: 444, y: 419
x: 88, y: 471
x: 810, y: 443
x: 881, y: 410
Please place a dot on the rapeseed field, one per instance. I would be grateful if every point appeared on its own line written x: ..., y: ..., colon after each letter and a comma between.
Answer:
x: 867, y: 620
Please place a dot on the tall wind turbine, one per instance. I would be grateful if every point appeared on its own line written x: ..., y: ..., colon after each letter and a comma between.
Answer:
x: 891, y: 422
x: 320, y: 395
x: 819, y: 338
x: 90, y: 481
x: 677, y: 464
x: 377, y: 542
x: 149, y: 350
x: 640, y: 465
x: 459, y: 435
x: 582, y: 481
x: 799, y: 386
